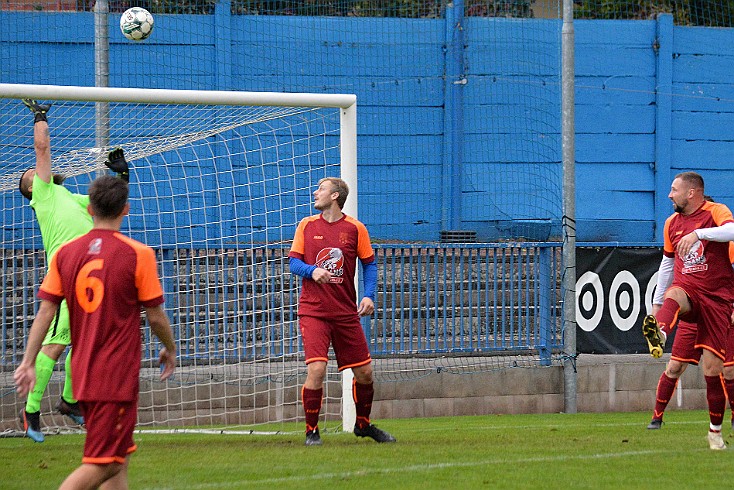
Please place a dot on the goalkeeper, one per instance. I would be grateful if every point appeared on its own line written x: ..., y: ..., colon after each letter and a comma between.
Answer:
x: 61, y: 217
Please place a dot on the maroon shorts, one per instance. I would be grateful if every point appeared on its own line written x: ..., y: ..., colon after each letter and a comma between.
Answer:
x: 713, y: 317
x: 684, y: 349
x: 345, y: 335
x: 110, y: 427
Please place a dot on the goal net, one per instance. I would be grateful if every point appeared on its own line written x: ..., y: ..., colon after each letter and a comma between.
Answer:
x: 218, y: 183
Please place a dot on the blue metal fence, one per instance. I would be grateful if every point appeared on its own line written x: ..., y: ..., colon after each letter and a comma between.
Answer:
x: 433, y: 299
x: 468, y: 298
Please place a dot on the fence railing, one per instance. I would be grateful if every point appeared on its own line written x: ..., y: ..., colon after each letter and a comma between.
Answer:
x: 467, y: 298
x: 241, y: 305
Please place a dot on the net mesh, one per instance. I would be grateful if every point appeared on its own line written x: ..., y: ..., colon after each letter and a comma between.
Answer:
x: 217, y: 192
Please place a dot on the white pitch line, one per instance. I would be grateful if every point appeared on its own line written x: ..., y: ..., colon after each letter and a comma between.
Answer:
x: 642, y: 423
x: 416, y: 469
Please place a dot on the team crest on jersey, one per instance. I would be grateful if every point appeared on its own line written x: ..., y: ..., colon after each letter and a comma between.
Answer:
x: 695, y: 260
x: 343, y: 237
x: 95, y: 247
x: 332, y: 259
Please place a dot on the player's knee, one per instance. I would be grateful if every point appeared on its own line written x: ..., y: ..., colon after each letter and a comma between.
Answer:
x: 113, y: 469
x: 675, y: 369
x: 316, y: 373
x: 363, y: 374
x: 53, y: 351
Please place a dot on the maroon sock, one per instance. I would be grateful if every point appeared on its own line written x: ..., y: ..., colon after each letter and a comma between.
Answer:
x: 729, y: 385
x: 311, y: 407
x: 667, y: 316
x: 363, y: 395
x: 716, y: 399
x: 666, y: 387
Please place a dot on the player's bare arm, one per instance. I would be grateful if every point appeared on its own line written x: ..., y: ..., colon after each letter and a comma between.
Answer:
x: 25, y: 375
x: 161, y: 327
x: 41, y: 139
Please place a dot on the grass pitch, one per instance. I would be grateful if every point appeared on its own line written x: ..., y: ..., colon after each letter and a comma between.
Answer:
x: 600, y: 450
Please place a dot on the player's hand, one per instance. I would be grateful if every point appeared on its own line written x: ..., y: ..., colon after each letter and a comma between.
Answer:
x: 38, y: 110
x: 686, y: 244
x: 321, y: 276
x: 25, y: 379
x: 168, y: 362
x: 366, y: 307
x: 117, y: 163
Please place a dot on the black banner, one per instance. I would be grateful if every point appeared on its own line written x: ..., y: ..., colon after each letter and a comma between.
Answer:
x: 614, y: 290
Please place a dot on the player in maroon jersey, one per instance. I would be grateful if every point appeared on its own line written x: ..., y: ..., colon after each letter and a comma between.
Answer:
x: 325, y: 250
x: 698, y: 280
x: 105, y: 278
x: 682, y: 354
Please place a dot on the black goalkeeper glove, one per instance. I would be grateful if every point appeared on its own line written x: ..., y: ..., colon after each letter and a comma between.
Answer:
x: 38, y: 110
x: 117, y: 163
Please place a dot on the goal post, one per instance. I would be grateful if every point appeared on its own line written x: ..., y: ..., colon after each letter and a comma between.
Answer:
x: 220, y: 180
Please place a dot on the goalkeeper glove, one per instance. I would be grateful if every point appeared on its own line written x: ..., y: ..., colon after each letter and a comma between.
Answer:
x: 38, y: 110
x: 117, y: 163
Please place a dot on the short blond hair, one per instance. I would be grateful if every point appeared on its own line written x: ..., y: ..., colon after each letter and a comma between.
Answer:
x: 337, y: 185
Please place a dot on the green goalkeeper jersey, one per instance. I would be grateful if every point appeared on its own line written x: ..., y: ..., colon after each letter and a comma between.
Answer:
x: 61, y: 215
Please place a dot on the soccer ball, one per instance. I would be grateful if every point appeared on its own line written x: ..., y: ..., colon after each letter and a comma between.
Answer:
x: 136, y: 24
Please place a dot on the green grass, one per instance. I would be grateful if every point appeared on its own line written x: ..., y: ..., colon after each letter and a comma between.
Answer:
x: 605, y: 450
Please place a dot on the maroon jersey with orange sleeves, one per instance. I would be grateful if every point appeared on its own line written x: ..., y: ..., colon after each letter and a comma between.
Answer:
x: 334, y: 247
x: 105, y: 278
x: 707, y: 268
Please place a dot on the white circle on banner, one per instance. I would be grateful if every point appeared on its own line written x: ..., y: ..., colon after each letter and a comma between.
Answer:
x: 650, y: 293
x: 587, y: 300
x: 624, y: 299
x: 590, y: 278
x: 624, y: 323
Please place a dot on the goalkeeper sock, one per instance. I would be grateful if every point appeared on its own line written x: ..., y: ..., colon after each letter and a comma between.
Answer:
x: 311, y: 406
x: 44, y: 370
x: 363, y: 395
x: 666, y: 387
x: 68, y: 394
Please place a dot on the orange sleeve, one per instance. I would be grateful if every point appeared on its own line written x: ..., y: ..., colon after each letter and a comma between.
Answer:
x: 668, y: 244
x: 298, y: 245
x: 150, y: 292
x: 720, y: 213
x: 298, y: 248
x: 51, y: 284
x: 731, y: 252
x: 146, y: 276
x: 364, y: 246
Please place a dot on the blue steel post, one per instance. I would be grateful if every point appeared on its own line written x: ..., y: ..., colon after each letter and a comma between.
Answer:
x: 223, y: 41
x: 568, y: 150
x: 453, y: 125
x: 663, y: 121
x: 543, y: 306
x: 101, y: 73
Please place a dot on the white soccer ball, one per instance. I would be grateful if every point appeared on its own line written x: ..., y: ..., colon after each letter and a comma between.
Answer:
x: 136, y: 24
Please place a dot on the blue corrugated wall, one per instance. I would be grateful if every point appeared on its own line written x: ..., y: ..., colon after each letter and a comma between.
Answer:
x: 651, y: 100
